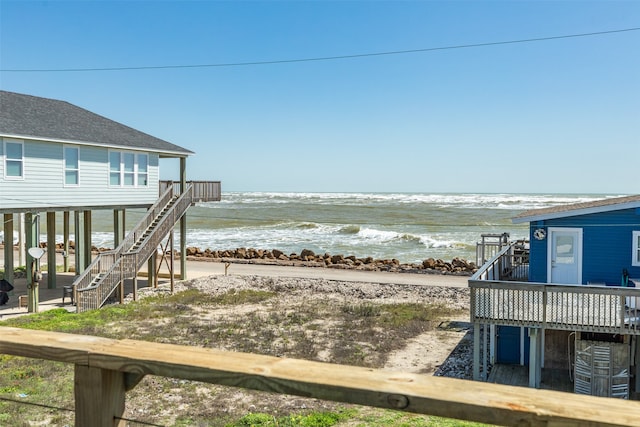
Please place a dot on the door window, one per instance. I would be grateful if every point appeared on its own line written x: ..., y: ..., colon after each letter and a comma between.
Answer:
x: 565, y: 250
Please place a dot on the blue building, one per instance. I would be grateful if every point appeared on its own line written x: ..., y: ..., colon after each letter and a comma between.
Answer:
x: 585, y: 243
x: 567, y: 299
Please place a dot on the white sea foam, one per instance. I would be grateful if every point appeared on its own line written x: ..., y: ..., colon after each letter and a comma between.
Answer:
x: 460, y: 200
x: 406, y: 226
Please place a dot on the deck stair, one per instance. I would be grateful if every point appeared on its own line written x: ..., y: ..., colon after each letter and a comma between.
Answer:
x: 109, y: 269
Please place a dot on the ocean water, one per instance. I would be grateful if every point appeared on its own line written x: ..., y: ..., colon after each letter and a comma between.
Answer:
x: 407, y: 226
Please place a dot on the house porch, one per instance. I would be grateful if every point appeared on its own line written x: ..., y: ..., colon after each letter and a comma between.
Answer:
x: 502, y: 297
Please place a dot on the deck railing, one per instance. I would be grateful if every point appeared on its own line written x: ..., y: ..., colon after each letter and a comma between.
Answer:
x: 203, y: 191
x: 511, y: 263
x: 603, y: 309
x: 105, y: 260
x: 500, y: 296
x: 105, y: 369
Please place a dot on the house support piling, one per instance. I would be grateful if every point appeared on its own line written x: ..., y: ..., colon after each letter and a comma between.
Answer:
x: 535, y: 357
x: 31, y: 240
x: 8, y: 247
x: 78, y: 252
x: 51, y: 250
x: 65, y: 238
x: 118, y: 226
x: 183, y: 222
x: 87, y: 239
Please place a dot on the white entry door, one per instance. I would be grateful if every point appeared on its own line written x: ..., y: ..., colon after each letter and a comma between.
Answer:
x: 564, y: 261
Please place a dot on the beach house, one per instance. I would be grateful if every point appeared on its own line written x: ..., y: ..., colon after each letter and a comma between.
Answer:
x: 563, y: 308
x: 58, y: 158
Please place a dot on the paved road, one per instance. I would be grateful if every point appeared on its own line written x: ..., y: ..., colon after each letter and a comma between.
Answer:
x: 205, y: 268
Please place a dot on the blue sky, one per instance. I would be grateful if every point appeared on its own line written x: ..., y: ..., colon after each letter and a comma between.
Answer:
x: 559, y: 116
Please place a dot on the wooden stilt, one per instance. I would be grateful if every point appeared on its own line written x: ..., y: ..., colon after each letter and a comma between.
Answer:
x: 534, y: 358
x: 8, y: 247
x: 51, y: 250
x: 183, y: 222
x: 476, y: 351
x: 171, y: 264
x: 485, y: 332
x: 79, y: 243
x: 117, y: 232
x: 65, y: 237
x: 135, y: 287
x: 87, y: 238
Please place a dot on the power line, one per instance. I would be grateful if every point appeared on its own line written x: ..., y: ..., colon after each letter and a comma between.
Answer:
x: 322, y: 58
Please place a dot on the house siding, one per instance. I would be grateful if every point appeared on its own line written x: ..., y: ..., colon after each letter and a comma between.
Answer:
x: 43, y: 184
x: 606, y: 245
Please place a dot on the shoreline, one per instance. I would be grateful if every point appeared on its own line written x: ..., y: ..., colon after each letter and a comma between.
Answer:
x: 307, y: 258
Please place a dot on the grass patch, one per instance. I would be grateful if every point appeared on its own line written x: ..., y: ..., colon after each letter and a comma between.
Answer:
x: 362, y: 310
x: 250, y: 320
x: 401, y: 315
x: 243, y: 296
x: 313, y: 419
x: 36, y: 390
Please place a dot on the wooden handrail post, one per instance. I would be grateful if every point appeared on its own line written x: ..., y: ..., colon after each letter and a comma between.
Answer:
x: 100, y: 397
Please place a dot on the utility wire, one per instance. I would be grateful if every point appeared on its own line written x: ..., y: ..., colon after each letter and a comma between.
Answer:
x: 323, y: 58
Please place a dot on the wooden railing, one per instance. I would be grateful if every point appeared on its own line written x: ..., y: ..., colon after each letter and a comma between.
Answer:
x: 203, y: 191
x: 110, y: 268
x: 511, y: 263
x: 500, y: 295
x: 106, y: 369
x: 567, y: 307
x: 105, y: 260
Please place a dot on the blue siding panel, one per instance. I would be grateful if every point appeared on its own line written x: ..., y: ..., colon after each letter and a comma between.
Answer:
x: 607, y: 245
x: 537, y: 257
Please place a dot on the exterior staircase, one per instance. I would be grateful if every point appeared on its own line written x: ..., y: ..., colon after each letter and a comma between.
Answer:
x: 109, y: 269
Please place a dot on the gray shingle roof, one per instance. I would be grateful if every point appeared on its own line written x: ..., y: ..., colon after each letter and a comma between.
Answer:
x: 49, y: 119
x: 603, y: 205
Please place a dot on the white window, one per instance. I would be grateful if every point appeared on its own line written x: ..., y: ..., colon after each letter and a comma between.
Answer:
x: 71, y: 165
x: 128, y: 169
x: 635, y: 260
x: 143, y: 170
x: 129, y: 162
x: 13, y: 159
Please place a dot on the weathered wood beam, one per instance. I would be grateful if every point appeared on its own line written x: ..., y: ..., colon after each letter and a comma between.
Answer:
x: 446, y: 397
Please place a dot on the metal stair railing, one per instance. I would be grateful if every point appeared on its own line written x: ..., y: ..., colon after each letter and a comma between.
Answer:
x: 110, y: 268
